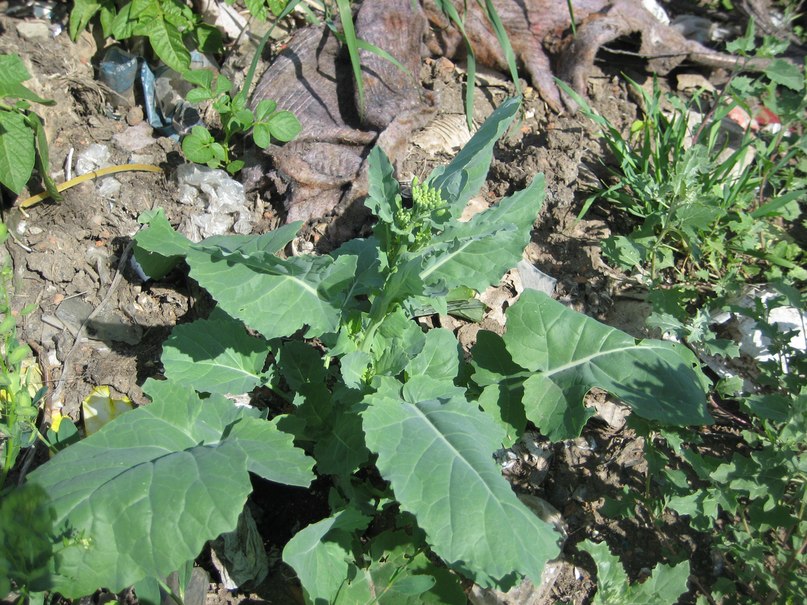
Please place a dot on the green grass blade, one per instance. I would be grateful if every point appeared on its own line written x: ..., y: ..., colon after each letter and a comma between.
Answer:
x: 504, y: 41
x: 259, y: 50
x: 346, y: 15
x: 470, y: 79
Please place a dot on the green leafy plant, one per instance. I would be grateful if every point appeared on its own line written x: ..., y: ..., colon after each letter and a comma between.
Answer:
x: 170, y: 26
x: 708, y: 214
x: 663, y: 587
x: 711, y: 220
x: 750, y: 504
x: 266, y: 122
x: 27, y: 542
x: 23, y: 144
x: 396, y: 422
x: 19, y: 394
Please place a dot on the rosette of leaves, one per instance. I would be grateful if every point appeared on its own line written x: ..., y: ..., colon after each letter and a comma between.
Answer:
x: 397, y: 422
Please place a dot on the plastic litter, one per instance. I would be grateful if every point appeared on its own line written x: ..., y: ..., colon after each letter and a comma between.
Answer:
x: 95, y: 156
x: 135, y: 138
x: 163, y: 92
x: 118, y: 70
x: 533, y: 278
x: 225, y: 17
x: 220, y: 201
x: 753, y: 341
x: 701, y: 29
x: 55, y: 13
x: 100, y: 407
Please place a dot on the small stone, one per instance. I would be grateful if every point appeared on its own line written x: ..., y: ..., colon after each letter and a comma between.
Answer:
x: 33, y: 30
x: 135, y: 138
x: 134, y: 116
x: 443, y: 68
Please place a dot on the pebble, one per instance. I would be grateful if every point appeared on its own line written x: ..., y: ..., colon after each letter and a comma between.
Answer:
x: 33, y: 30
x: 134, y: 116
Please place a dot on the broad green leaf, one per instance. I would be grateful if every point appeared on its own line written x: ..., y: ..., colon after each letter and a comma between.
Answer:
x: 106, y: 16
x: 559, y: 412
x: 27, y: 539
x: 150, y: 488
x: 166, y: 40
x: 284, y: 126
x: 124, y: 23
x: 697, y: 505
x: 575, y: 353
x: 438, y: 457
x: 301, y: 365
x: 476, y: 254
x: 466, y: 173
x: 397, y: 340
x: 383, y: 187
x: 302, y: 369
x: 256, y: 8
x: 277, y: 297
x: 369, y: 279
x: 422, y: 388
x: 198, y: 146
x: 208, y: 38
x: 439, y: 358
x: 158, y: 247
x: 400, y: 574
x: 262, y: 135
x: 321, y: 565
x: 320, y: 552
x: 17, y: 151
x: 264, y: 109
x: 81, y: 15
x: 215, y: 355
x: 504, y: 404
x: 340, y: 451
x: 769, y: 406
x: 12, y: 73
x: 663, y: 587
x: 353, y: 367
x: 785, y: 73
x: 247, y: 246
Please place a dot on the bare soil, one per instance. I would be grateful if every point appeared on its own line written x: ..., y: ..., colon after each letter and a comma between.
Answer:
x: 98, y: 323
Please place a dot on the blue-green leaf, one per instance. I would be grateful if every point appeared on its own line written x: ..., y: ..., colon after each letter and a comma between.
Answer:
x: 277, y: 297
x: 438, y: 457
x: 466, y: 173
x: 215, y: 355
x: 150, y: 488
x: 575, y: 353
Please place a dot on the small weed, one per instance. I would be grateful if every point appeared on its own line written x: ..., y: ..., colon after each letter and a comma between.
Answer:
x: 266, y: 122
x: 170, y: 26
x: 713, y: 217
x: 710, y: 213
x: 20, y: 383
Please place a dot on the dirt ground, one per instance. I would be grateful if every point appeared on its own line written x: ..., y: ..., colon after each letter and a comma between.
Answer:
x: 98, y: 323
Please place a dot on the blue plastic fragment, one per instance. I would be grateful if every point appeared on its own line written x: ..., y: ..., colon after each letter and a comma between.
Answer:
x: 118, y: 70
